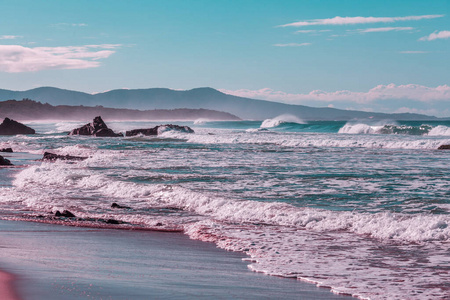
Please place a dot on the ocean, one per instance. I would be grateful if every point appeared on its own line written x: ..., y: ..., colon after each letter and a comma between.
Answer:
x: 361, y: 207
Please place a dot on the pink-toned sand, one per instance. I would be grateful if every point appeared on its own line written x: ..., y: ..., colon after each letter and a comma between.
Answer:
x: 55, y: 262
x: 7, y: 291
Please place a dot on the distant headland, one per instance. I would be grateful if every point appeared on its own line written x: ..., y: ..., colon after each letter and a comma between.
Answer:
x: 167, y: 99
x: 32, y: 110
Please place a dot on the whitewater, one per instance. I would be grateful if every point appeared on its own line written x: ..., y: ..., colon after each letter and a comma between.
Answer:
x: 359, y: 207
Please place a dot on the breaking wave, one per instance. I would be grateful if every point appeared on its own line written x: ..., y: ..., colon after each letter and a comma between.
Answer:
x: 277, y: 121
x: 424, y: 129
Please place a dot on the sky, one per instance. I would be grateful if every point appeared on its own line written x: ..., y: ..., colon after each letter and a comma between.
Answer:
x: 385, y: 56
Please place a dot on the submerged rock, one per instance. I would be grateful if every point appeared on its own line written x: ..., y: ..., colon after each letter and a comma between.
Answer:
x: 65, y: 213
x: 159, y: 129
x: 11, y: 127
x: 53, y: 157
x: 96, y: 128
x: 6, y: 150
x: 444, y: 147
x: 5, y: 162
x: 113, y: 221
x: 115, y: 205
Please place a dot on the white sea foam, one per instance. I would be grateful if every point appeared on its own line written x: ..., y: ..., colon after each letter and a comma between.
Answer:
x: 68, y: 178
x: 317, y: 140
x: 360, y: 129
x: 440, y: 130
x: 277, y: 121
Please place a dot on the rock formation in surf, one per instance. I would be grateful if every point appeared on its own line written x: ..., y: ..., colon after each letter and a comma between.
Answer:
x: 6, y: 150
x: 159, y: 129
x: 65, y: 213
x: 115, y: 205
x: 11, y: 127
x: 444, y: 147
x: 4, y: 161
x: 96, y: 128
x: 53, y: 157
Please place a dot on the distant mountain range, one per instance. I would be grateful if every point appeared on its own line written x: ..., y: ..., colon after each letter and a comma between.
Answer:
x: 31, y: 110
x: 199, y: 98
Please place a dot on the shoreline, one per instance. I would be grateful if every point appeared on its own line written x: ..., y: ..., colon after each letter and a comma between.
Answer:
x: 65, y: 262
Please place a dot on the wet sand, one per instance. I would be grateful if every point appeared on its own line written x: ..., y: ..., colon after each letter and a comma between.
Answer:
x: 61, y: 262
x: 7, y: 288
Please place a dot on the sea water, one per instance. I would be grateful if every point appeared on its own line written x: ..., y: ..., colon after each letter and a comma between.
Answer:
x: 361, y: 207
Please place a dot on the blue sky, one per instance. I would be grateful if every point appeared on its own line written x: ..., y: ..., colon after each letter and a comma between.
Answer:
x: 390, y: 56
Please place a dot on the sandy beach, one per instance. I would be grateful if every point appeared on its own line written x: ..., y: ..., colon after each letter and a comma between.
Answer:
x: 61, y: 262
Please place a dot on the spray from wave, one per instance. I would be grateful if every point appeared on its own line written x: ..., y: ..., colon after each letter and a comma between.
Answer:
x: 277, y: 121
x: 201, y: 121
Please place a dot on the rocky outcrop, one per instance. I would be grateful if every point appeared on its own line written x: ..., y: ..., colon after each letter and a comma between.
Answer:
x: 115, y: 205
x: 96, y: 128
x: 4, y: 161
x: 159, y: 129
x: 6, y: 150
x: 53, y: 157
x: 11, y: 127
x: 444, y: 147
x: 65, y: 213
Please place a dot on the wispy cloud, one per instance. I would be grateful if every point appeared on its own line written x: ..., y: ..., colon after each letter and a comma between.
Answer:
x: 16, y: 58
x: 380, y: 92
x: 9, y: 37
x: 384, y: 29
x: 292, y: 45
x: 60, y: 25
x: 312, y: 31
x: 445, y: 34
x: 358, y: 20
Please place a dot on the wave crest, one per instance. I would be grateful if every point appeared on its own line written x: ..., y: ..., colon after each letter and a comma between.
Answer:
x: 424, y: 129
x: 277, y: 121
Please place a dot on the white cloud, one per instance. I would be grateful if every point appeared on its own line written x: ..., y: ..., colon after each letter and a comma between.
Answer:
x: 292, y: 45
x: 384, y: 29
x: 358, y: 20
x: 381, y: 92
x: 9, y: 37
x: 445, y: 34
x: 16, y: 58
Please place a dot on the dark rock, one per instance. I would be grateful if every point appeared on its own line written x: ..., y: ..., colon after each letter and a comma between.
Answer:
x: 148, y: 131
x: 159, y: 224
x: 11, y: 127
x: 159, y: 129
x: 115, y: 205
x: 112, y: 221
x: 96, y: 128
x: 65, y: 213
x: 6, y: 150
x: 444, y: 147
x: 53, y: 157
x: 4, y: 161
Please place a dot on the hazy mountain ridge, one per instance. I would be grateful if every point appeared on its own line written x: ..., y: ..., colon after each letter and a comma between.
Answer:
x: 199, y: 98
x: 32, y: 110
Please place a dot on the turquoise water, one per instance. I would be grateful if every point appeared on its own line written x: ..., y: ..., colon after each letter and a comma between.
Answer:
x: 362, y: 207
